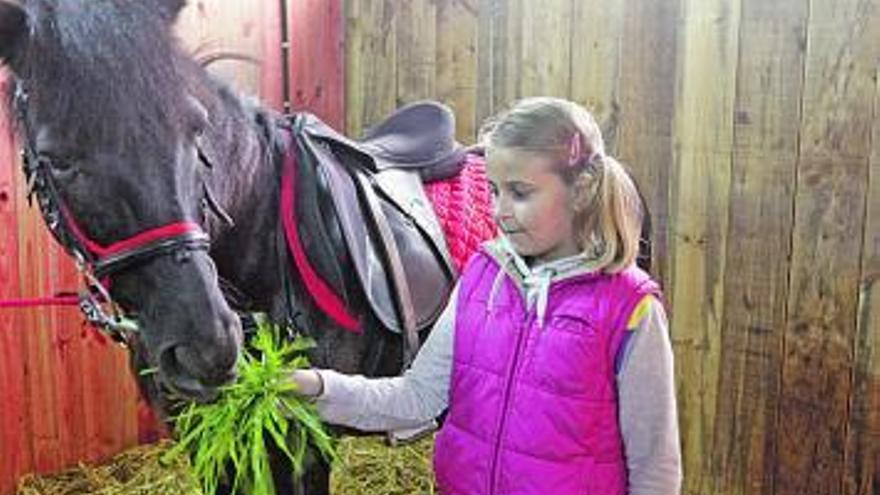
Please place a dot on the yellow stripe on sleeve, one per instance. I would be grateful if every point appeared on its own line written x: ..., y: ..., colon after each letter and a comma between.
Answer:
x: 639, y: 313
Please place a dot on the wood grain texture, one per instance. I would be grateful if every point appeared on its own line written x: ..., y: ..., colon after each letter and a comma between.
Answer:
x: 249, y: 29
x: 416, y: 50
x: 700, y: 179
x: 316, y: 61
x: 545, y: 67
x: 485, y: 90
x: 862, y: 457
x: 766, y: 118
x: 68, y: 354
x: 15, y: 451
x: 370, y: 62
x: 596, y: 37
x: 830, y: 201
x: 456, y: 69
x: 41, y: 390
x: 525, y: 49
x: 500, y: 49
x: 647, y: 98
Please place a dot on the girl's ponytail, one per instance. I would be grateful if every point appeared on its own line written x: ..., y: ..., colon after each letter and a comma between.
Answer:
x: 609, y: 213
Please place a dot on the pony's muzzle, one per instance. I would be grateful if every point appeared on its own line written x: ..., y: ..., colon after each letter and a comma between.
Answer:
x: 196, y: 371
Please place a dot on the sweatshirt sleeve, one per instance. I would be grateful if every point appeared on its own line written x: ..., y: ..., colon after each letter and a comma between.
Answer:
x: 648, y: 415
x: 406, y: 401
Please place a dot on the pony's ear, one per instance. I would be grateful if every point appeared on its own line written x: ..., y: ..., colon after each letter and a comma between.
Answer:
x: 13, y: 26
x: 171, y: 8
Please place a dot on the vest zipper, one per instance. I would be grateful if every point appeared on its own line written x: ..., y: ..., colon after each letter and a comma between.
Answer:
x: 505, y: 404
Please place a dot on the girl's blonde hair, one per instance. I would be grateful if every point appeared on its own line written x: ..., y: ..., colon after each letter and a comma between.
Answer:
x: 607, y: 204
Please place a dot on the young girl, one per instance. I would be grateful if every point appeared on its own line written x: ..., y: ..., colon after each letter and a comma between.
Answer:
x: 553, y: 355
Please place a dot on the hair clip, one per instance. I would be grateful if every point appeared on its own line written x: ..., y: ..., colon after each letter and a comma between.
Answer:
x: 574, y: 150
x: 595, y: 159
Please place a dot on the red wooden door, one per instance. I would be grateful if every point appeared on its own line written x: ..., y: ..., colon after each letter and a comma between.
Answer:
x: 65, y: 395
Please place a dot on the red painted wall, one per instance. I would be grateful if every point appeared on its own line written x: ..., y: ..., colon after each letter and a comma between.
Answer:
x: 66, y: 397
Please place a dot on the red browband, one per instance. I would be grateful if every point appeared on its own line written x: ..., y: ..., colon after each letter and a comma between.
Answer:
x: 136, y: 241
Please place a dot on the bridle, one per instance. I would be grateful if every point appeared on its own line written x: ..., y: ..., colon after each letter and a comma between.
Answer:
x: 97, y: 263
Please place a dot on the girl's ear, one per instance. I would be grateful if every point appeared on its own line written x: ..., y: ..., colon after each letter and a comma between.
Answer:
x: 171, y: 8
x: 13, y: 26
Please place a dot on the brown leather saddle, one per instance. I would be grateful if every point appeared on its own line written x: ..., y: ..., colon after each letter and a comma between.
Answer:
x: 367, y: 197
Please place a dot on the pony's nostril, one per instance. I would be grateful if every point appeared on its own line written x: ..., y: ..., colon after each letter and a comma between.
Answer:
x: 205, y: 353
x: 219, y: 350
x: 183, y: 383
x: 204, y: 366
x: 230, y: 325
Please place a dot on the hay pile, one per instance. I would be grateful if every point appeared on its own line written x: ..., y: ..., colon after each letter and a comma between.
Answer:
x: 366, y: 467
x: 138, y: 471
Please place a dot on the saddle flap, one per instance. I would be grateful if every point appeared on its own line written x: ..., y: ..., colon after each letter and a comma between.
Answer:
x: 427, y: 273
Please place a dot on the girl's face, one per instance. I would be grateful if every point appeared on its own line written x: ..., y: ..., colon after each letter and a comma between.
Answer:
x: 532, y: 205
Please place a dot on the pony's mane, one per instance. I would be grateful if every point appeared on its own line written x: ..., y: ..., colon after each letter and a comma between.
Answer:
x: 109, y: 71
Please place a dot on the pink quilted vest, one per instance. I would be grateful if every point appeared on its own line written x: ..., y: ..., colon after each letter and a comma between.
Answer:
x: 534, y: 410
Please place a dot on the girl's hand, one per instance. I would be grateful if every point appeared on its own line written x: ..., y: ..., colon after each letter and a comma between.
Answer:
x: 308, y: 383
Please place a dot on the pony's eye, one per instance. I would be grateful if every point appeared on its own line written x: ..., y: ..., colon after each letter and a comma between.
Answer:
x: 198, y: 131
x: 57, y: 165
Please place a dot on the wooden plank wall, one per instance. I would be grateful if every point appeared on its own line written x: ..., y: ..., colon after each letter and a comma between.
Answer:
x: 754, y: 129
x: 820, y: 340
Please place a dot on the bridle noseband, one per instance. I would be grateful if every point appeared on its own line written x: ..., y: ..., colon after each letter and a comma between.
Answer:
x: 97, y: 262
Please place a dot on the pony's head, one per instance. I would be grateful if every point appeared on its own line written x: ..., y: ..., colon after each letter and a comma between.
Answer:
x: 105, y: 108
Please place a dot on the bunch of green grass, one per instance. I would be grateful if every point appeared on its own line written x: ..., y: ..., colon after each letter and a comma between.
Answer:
x: 230, y: 436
